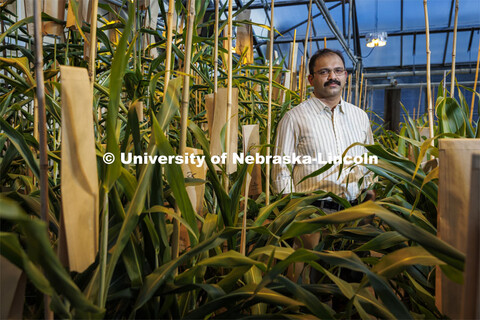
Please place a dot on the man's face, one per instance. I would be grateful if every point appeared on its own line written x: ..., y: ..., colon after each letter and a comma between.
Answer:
x: 329, y: 84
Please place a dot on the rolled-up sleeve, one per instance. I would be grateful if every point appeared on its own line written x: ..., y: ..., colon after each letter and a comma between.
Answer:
x: 284, y: 146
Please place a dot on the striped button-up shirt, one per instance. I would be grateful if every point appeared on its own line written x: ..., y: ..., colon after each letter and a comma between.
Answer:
x: 311, y: 129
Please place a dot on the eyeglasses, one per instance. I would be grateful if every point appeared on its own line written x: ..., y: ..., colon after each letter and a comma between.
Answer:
x: 326, y: 72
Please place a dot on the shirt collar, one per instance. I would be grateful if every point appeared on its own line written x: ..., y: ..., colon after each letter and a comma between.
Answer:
x: 320, y: 106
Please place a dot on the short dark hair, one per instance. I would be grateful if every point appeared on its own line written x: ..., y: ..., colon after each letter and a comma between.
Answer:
x: 321, y: 53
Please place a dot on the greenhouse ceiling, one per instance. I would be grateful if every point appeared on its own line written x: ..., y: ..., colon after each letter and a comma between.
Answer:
x: 403, y: 20
x: 344, y: 25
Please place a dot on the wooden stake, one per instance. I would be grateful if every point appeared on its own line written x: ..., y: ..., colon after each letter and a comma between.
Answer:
x: 349, y: 87
x: 93, y: 43
x: 419, y: 101
x: 361, y: 90
x: 475, y: 84
x: 168, y: 59
x: 454, y: 51
x: 293, y: 64
x: 429, y: 89
x: 300, y: 78
x: 42, y: 128
x: 243, y: 235
x: 186, y: 77
x: 215, y: 55
x: 269, y: 112
x: 305, y: 49
x: 365, y: 96
x: 357, y: 76
x: 229, y: 90
x: 184, y: 109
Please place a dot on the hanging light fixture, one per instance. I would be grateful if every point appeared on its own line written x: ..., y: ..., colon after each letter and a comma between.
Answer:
x: 376, y: 39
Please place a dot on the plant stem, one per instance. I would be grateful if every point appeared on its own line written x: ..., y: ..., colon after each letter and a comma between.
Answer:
x: 103, y: 251
x: 269, y: 114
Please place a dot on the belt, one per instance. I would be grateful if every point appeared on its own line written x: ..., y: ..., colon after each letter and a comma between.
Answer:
x: 326, y: 204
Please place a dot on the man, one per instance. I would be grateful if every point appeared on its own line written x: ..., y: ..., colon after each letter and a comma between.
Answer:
x: 324, y: 125
x: 322, y: 128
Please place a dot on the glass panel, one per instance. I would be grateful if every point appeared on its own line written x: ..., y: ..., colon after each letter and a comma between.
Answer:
x: 286, y: 17
x: 387, y: 13
x: 468, y: 13
x: 414, y: 16
x: 258, y: 16
x: 407, y: 50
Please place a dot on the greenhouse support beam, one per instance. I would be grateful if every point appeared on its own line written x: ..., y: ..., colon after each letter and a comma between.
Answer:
x: 469, y: 28
x: 334, y: 28
x: 416, y: 85
x: 414, y: 73
x: 260, y: 5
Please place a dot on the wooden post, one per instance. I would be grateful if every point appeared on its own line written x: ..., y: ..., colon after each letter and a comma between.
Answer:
x: 269, y: 112
x: 301, y: 78
x: 349, y: 86
x: 475, y: 84
x: 186, y: 77
x: 364, y: 105
x: 293, y: 63
x: 42, y: 128
x: 419, y: 101
x: 361, y: 90
x: 168, y: 49
x: 215, y: 55
x: 455, y: 179
x: 471, y: 292
x: 184, y: 109
x: 429, y: 88
x: 357, y: 76
x: 229, y: 90
x: 93, y: 42
x: 454, y: 51
x: 305, y: 49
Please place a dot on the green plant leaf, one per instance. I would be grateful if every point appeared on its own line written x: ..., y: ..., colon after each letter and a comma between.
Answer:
x: 40, y: 251
x: 395, y: 262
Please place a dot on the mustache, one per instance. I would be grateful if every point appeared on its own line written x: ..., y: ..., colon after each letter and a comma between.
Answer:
x: 332, y: 81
